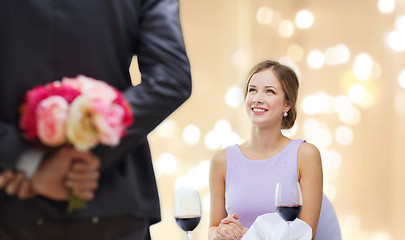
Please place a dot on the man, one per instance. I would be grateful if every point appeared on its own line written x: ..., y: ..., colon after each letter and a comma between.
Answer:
x: 42, y: 41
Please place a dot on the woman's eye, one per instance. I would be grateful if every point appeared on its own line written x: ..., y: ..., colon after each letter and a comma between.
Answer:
x: 270, y: 91
x: 252, y: 90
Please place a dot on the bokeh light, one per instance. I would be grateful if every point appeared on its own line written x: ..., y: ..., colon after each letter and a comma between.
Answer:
x: 400, y: 103
x: 386, y: 6
x: 318, y: 133
x: 295, y: 52
x: 338, y: 54
x: 382, y: 236
x: 234, y: 97
x: 240, y: 57
x: 396, y: 40
x: 342, y: 53
x: 304, y: 19
x: 166, y: 164
x: 367, y: 100
x: 167, y: 129
x: 330, y: 57
x: 318, y: 103
x: 363, y: 66
x: 400, y: 23
x: 376, y: 71
x: 265, y: 15
x: 331, y: 160
x: 191, y: 134
x: 221, y: 136
x: 223, y: 127
x: 316, y: 59
x: 290, y: 133
x: 357, y: 93
x: 285, y: 29
x: 351, y: 223
x: 344, y: 135
x: 347, y: 113
x: 401, y: 79
x: 212, y: 140
x: 330, y: 190
x: 196, y: 177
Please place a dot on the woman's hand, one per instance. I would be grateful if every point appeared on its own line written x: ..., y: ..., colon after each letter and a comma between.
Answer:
x: 230, y: 228
x: 220, y: 234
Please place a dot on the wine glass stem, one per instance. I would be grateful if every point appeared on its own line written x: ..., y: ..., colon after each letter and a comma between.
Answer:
x: 289, y: 230
x: 189, y: 235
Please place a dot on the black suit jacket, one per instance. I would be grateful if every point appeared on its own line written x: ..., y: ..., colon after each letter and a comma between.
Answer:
x: 45, y: 40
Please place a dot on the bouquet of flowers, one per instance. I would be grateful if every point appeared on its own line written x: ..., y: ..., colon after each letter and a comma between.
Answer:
x: 82, y: 112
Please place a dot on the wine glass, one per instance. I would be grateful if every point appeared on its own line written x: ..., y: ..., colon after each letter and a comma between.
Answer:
x: 288, y: 202
x: 187, y: 210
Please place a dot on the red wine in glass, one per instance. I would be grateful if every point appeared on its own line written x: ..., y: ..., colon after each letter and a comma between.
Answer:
x: 288, y: 202
x: 187, y: 209
x: 289, y: 212
x: 188, y: 223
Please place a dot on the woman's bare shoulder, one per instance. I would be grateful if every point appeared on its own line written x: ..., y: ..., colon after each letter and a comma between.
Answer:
x: 219, y: 158
x: 218, y: 166
x: 308, y: 150
x: 309, y: 162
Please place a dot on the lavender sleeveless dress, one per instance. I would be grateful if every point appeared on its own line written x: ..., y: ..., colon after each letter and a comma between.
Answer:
x: 251, y: 186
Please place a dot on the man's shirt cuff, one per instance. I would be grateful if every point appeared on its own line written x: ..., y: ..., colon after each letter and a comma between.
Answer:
x: 29, y: 161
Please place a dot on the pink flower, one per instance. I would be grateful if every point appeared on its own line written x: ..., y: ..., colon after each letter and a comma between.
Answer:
x: 128, y: 119
x: 28, y: 120
x: 63, y: 90
x: 91, y: 88
x: 51, y: 115
x: 108, y: 121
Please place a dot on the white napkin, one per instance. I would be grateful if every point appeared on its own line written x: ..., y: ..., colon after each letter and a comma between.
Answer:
x: 271, y: 226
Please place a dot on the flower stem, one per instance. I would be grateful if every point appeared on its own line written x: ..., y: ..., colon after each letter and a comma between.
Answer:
x: 75, y: 203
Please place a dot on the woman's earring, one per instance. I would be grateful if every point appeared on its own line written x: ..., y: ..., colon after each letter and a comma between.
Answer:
x: 285, y: 114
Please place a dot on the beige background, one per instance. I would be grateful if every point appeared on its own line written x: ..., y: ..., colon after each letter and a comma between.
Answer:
x: 356, y: 121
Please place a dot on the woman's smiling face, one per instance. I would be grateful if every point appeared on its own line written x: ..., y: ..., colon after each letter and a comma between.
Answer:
x: 265, y: 99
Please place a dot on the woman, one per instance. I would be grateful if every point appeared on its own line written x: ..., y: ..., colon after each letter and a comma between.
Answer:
x: 243, y: 177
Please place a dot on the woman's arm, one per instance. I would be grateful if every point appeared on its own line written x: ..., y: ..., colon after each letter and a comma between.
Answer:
x: 217, y: 194
x: 311, y: 180
x: 221, y: 225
